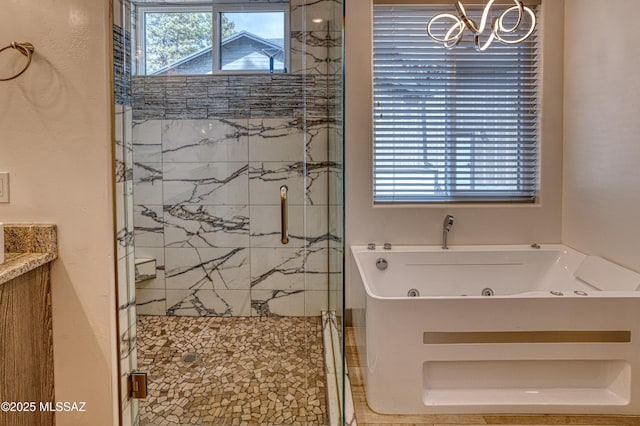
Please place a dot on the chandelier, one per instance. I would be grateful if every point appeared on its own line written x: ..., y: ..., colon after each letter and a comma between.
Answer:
x: 497, y: 30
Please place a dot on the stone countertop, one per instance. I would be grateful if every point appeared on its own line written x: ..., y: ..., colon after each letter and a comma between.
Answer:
x: 26, y: 248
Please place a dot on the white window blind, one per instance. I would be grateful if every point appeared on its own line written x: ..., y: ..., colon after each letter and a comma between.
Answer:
x: 451, y: 125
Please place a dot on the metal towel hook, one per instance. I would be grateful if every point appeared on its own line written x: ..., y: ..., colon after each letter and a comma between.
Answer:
x: 26, y: 49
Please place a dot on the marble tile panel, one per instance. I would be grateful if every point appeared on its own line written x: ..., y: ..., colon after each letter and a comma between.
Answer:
x: 308, y: 59
x: 335, y: 138
x: 266, y: 226
x: 276, y: 140
x: 313, y: 52
x: 335, y: 299
x: 306, y: 226
x: 336, y: 226
x: 206, y: 226
x: 128, y: 127
x: 289, y: 269
x: 146, y: 153
x: 148, y: 223
x: 147, y: 132
x: 271, y: 303
x: 147, y: 183
x: 121, y: 209
x: 317, y: 182
x: 206, y: 183
x: 266, y: 178
x: 335, y: 63
x: 124, y: 376
x: 207, y: 268
x: 120, y: 166
x: 336, y: 186
x: 124, y: 219
x: 204, y: 140
x: 158, y: 255
x: 123, y: 325
x: 127, y: 344
x: 209, y: 302
x: 122, y: 276
x: 133, y: 316
x: 288, y: 139
x: 129, y: 224
x: 151, y: 301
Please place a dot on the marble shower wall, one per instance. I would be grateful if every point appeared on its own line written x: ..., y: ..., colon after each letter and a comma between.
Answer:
x: 210, y: 153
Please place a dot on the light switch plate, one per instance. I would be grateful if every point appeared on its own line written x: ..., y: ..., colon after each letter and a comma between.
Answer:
x: 4, y: 187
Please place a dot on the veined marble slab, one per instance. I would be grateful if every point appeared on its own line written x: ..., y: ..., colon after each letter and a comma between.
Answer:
x: 205, y: 183
x: 207, y: 268
x: 206, y: 226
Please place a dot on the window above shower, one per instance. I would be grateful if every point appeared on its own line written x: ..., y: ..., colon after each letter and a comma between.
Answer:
x: 238, y: 37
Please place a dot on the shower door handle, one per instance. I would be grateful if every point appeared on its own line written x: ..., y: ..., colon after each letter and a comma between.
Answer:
x: 284, y: 215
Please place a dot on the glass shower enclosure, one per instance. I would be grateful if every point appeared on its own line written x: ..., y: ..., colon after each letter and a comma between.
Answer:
x: 228, y: 166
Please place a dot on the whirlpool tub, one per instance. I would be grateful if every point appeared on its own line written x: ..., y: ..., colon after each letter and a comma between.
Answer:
x: 496, y: 329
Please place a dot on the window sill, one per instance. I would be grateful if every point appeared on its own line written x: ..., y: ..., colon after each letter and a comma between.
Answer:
x: 457, y: 205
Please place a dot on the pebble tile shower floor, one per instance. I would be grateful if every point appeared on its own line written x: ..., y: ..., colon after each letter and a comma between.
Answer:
x: 232, y: 371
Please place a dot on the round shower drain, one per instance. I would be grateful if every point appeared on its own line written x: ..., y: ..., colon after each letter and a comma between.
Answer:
x: 487, y: 292
x: 413, y: 293
x: 189, y: 358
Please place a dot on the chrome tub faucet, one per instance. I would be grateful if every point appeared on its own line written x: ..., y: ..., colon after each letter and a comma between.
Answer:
x: 446, y: 227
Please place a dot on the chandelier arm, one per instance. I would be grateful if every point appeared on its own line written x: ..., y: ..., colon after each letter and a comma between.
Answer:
x: 482, y: 47
x: 468, y: 22
x: 520, y: 7
x: 485, y: 16
x: 449, y: 34
x: 455, y: 40
x: 532, y: 15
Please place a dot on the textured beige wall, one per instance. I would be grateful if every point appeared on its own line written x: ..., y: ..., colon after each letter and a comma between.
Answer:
x: 55, y: 142
x: 423, y: 225
x: 602, y: 130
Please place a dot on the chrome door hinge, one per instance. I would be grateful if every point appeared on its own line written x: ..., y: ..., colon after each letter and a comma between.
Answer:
x: 137, y: 385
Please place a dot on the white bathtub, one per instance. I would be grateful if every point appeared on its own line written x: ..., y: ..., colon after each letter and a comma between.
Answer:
x: 561, y: 334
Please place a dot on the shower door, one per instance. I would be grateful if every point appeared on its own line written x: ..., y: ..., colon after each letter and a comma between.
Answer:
x: 236, y: 196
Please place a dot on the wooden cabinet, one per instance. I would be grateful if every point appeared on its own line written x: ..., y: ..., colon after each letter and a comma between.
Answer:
x: 26, y: 349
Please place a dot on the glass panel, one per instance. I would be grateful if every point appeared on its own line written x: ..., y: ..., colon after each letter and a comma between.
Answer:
x: 123, y: 172
x: 178, y: 42
x: 252, y: 41
x: 231, y: 319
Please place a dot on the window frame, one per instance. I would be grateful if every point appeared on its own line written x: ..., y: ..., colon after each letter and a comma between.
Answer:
x: 215, y: 9
x: 477, y: 199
